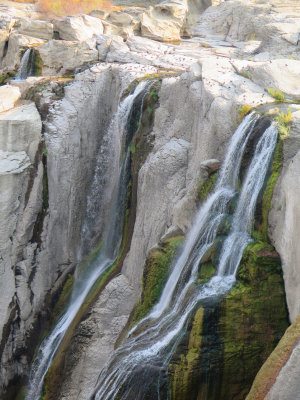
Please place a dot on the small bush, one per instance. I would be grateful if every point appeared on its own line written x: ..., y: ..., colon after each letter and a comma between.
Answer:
x: 276, y: 94
x: 284, y: 121
x: 244, y: 110
x: 72, y: 7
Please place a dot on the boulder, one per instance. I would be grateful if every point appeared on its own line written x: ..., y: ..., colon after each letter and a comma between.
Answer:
x: 79, y: 28
x: 34, y: 28
x: 9, y: 95
x: 164, y: 21
x: 17, y: 43
x: 101, y: 14
x: 120, y: 18
x: 61, y: 56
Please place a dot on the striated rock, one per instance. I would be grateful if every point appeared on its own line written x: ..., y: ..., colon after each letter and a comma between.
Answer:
x: 9, y: 95
x: 79, y: 28
x: 21, y: 201
x: 101, y: 329
x: 60, y: 56
x: 34, y: 28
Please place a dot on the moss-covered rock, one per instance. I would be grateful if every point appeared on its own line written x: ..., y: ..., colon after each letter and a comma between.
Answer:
x: 8, y: 76
x: 268, y: 373
x: 156, y: 273
x: 206, y: 187
x: 237, y: 333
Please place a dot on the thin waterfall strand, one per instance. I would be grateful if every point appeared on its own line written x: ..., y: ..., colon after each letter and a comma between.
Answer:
x: 86, y: 279
x: 25, y: 66
x: 154, y: 346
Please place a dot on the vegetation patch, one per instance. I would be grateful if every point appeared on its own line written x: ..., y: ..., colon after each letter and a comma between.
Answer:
x: 8, y: 76
x: 156, y: 273
x: 276, y: 94
x: 267, y: 375
x: 268, y: 193
x: 243, y: 111
x: 205, y: 188
x: 284, y: 120
x: 182, y: 370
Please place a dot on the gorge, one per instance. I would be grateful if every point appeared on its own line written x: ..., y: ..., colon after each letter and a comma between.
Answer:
x: 149, y: 202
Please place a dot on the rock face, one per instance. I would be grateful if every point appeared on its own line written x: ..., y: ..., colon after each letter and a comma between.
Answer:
x: 284, y: 217
x: 21, y: 192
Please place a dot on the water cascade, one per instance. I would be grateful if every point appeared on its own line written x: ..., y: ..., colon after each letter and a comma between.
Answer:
x: 25, y: 68
x: 112, y: 175
x: 138, y: 369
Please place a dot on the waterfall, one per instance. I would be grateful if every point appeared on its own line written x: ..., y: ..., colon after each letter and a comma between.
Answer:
x: 25, y: 66
x: 138, y: 368
x: 114, y: 169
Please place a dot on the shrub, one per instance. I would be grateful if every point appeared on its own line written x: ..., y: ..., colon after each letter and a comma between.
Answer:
x: 71, y: 7
x: 243, y: 111
x: 276, y: 94
x: 284, y: 121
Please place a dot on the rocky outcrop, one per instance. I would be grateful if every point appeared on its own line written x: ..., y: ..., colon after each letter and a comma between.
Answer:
x: 79, y: 28
x: 21, y: 199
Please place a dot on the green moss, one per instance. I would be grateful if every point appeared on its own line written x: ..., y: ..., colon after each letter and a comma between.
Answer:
x: 267, y: 197
x: 206, y: 187
x: 283, y: 121
x: 63, y: 299
x: 8, y: 76
x: 207, y: 271
x: 250, y: 329
x: 182, y: 370
x: 37, y: 66
x: 271, y: 368
x: 155, y: 275
x: 276, y: 94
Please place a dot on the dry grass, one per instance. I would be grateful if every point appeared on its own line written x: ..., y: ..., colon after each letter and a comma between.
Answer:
x: 24, y: 1
x: 72, y: 7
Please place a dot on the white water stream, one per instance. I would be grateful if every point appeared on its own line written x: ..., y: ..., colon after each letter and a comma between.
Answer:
x: 25, y: 66
x: 138, y: 367
x: 114, y: 185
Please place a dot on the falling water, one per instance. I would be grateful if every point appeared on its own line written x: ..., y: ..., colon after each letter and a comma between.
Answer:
x: 114, y: 168
x: 138, y: 368
x: 25, y: 66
